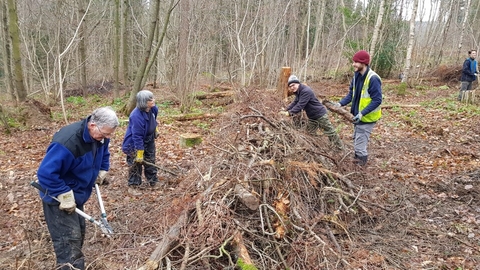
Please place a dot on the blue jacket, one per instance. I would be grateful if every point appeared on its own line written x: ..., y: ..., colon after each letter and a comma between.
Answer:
x: 305, y: 99
x: 469, y: 69
x: 141, y: 126
x: 72, y: 162
x: 374, y: 90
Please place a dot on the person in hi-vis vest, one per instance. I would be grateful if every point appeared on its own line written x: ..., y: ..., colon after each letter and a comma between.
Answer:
x: 365, y: 96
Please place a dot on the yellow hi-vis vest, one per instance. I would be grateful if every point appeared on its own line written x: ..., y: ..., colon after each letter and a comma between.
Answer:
x: 365, y: 99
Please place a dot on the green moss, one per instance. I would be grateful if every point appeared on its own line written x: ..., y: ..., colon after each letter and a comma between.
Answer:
x: 244, y: 266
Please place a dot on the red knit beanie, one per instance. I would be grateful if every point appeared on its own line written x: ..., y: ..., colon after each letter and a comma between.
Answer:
x: 362, y: 56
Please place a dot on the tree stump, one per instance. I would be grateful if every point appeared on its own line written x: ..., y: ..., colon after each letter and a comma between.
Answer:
x: 190, y: 140
x: 468, y: 96
x: 282, y: 86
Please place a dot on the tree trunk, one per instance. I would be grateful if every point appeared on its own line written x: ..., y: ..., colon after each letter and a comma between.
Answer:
x: 462, y: 32
x: 182, y: 75
x: 6, y: 53
x: 148, y: 56
x: 411, y: 40
x: 82, y: 49
x: 378, y: 26
x: 16, y: 54
x: 125, y: 49
x: 142, y: 69
x: 116, y: 51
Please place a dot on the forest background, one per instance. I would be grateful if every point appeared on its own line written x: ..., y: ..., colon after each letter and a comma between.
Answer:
x: 49, y: 47
x: 414, y: 207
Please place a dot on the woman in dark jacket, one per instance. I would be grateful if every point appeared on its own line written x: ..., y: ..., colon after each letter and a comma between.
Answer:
x: 139, y: 141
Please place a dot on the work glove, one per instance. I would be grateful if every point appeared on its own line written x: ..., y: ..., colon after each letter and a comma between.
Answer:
x: 101, y: 177
x: 337, y: 104
x: 357, y: 118
x: 67, y: 202
x: 286, y: 113
x: 139, y: 157
x: 157, y: 133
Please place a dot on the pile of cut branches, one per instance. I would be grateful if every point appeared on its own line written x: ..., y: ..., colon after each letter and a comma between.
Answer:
x: 270, y: 196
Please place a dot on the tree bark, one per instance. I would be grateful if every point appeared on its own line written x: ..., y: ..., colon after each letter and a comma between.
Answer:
x: 6, y: 49
x: 376, y: 29
x: 116, y: 50
x: 14, y: 32
x: 411, y: 39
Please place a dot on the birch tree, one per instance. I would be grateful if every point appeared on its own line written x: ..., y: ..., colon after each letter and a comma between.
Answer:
x: 376, y: 29
x: 462, y: 31
x: 411, y: 40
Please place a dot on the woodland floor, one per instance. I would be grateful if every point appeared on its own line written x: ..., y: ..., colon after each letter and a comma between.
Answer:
x: 423, y: 171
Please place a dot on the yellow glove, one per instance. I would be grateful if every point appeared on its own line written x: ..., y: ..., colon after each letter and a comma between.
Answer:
x: 67, y: 202
x: 157, y: 133
x: 286, y: 113
x: 101, y: 177
x: 139, y: 158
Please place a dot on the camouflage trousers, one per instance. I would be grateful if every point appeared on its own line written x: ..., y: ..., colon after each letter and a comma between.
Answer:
x: 326, y: 126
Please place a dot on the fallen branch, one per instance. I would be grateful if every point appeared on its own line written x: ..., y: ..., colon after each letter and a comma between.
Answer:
x: 215, y: 95
x: 160, y: 168
x: 347, y: 116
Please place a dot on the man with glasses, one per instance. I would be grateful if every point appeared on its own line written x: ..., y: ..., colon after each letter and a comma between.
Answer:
x: 306, y: 100
x: 76, y: 159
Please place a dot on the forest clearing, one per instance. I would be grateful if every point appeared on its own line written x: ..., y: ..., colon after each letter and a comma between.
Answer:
x: 415, y: 205
x: 241, y: 186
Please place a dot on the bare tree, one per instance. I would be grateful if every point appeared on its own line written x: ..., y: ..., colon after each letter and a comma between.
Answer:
x: 466, y: 9
x: 376, y: 29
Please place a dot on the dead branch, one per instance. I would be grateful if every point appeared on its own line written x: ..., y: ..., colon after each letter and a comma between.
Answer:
x: 347, y: 116
x: 214, y: 95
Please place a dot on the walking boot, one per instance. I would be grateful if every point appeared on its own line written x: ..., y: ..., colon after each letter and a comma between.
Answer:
x: 360, y: 160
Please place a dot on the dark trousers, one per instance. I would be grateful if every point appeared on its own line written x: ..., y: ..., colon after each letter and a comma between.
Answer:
x: 135, y: 171
x: 68, y: 233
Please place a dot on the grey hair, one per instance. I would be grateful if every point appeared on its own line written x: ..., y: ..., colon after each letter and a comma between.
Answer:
x: 142, y: 98
x: 104, y: 117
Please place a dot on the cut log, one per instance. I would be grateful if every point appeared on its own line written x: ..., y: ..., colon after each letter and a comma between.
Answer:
x: 215, y: 95
x: 190, y: 140
x: 246, y: 197
x: 346, y: 115
x: 282, y: 86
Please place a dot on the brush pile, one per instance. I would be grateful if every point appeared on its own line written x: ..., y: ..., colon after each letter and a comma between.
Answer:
x: 268, y: 195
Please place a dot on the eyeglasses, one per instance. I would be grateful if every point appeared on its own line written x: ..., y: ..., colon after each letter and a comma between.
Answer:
x: 106, y: 135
